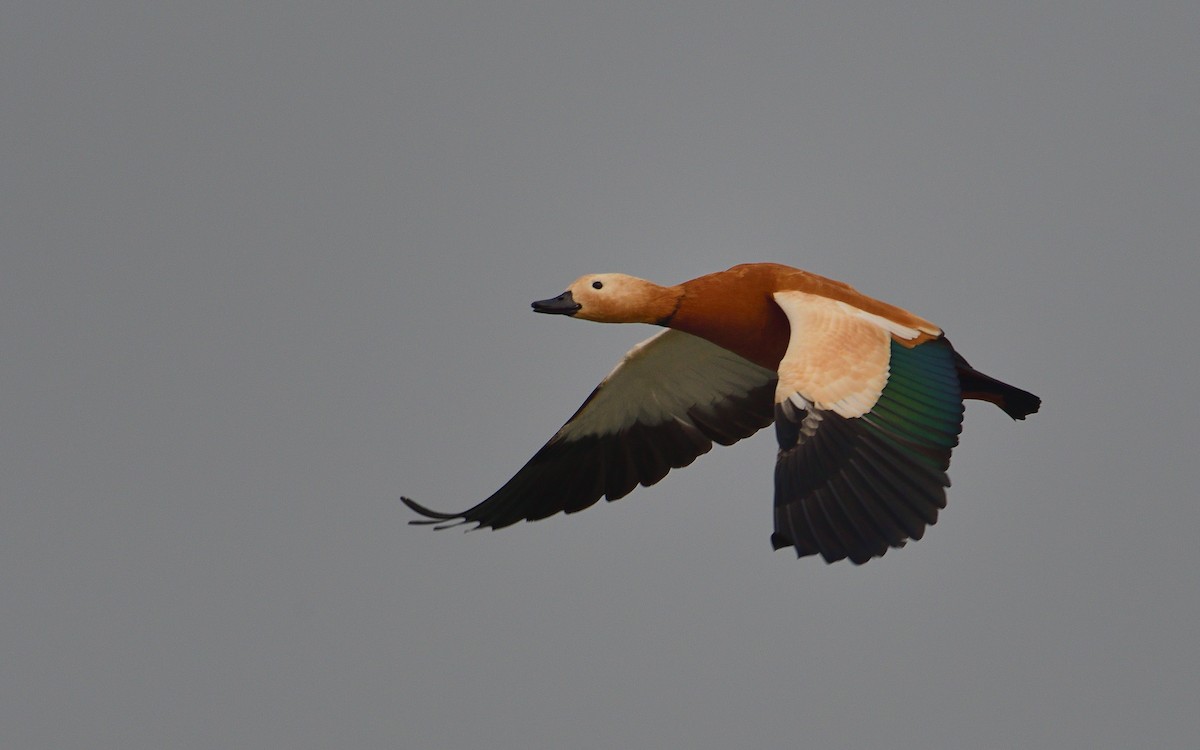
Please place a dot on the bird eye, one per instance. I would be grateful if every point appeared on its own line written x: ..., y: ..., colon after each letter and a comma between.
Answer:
x: 597, y: 285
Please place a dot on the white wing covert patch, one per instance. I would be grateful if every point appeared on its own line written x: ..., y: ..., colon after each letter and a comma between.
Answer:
x: 837, y: 355
x: 659, y: 380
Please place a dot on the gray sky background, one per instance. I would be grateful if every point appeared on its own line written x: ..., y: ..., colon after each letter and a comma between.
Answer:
x: 266, y: 267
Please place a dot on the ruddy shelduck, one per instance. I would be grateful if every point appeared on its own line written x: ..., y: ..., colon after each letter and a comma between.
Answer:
x: 867, y: 401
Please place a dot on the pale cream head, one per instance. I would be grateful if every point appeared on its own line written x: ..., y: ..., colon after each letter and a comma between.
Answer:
x: 619, y: 298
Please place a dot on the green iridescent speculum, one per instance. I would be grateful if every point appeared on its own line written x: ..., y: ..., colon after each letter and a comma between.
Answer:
x: 920, y: 410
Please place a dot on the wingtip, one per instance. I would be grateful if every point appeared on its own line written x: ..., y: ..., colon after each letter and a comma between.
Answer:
x: 431, y: 516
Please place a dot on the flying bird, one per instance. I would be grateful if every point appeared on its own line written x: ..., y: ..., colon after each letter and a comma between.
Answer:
x: 866, y: 398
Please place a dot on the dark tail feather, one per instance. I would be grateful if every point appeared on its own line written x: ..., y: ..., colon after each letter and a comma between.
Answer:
x: 1015, y: 402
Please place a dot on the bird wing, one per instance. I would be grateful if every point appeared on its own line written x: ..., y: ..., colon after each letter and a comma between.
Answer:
x: 865, y: 422
x: 667, y: 401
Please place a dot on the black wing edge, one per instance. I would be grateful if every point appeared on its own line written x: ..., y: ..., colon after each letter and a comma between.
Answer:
x: 570, y: 475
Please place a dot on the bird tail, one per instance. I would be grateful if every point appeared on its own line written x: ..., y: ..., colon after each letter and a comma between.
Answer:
x: 1015, y: 402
